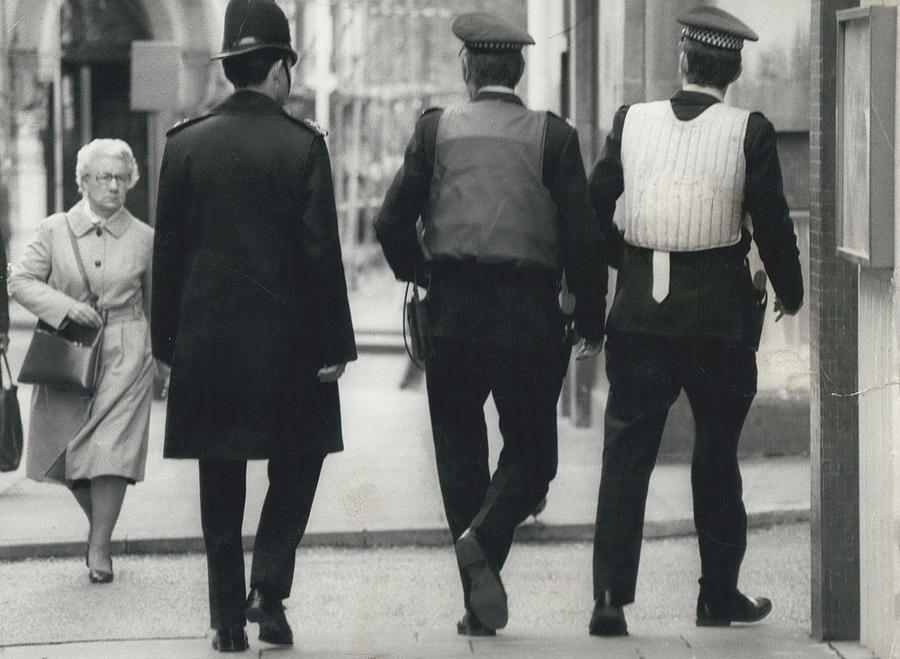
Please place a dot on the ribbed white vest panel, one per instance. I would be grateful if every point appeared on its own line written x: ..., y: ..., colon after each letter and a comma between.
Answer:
x: 684, y: 180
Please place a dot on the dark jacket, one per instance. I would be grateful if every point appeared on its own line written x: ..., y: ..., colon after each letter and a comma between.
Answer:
x: 497, y: 304
x: 249, y: 296
x: 711, y: 294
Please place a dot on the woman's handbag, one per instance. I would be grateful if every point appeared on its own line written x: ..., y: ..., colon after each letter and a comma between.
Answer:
x: 10, y: 424
x: 68, y: 357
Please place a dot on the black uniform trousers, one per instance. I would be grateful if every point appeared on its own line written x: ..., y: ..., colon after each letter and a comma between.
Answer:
x: 292, y: 485
x: 646, y: 374
x: 525, y: 387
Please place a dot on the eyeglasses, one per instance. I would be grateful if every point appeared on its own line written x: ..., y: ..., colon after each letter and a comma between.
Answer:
x: 107, y: 178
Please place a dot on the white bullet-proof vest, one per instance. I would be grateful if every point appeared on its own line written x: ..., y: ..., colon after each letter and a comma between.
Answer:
x: 684, y: 180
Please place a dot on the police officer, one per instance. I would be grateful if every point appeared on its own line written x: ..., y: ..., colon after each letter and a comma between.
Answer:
x: 503, y: 198
x: 250, y: 308
x: 694, y: 172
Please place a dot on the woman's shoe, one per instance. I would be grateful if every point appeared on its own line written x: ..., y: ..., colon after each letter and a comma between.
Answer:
x: 100, y: 576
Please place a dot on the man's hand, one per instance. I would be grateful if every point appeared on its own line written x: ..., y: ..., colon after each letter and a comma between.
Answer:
x: 4, y: 341
x: 331, y: 373
x: 779, y: 309
x: 587, y: 349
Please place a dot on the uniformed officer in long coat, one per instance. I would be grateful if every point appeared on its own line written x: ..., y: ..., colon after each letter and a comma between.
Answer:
x: 696, y: 175
x: 502, y: 194
x: 250, y: 308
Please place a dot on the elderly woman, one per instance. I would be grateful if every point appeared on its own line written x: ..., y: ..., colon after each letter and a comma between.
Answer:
x: 95, y: 445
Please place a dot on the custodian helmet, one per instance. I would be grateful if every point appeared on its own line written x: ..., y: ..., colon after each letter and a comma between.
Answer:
x: 253, y: 25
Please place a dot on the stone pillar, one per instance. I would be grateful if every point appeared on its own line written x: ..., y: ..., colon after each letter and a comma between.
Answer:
x: 585, y: 63
x: 834, y: 419
x: 661, y: 34
x: 584, y: 69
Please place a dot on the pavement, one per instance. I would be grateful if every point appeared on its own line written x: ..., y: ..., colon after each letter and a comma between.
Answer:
x: 382, y: 492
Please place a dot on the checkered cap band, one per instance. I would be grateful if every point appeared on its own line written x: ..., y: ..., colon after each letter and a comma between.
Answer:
x: 493, y: 45
x: 713, y: 38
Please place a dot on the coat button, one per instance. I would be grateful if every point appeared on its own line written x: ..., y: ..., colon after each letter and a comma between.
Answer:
x: 97, y: 263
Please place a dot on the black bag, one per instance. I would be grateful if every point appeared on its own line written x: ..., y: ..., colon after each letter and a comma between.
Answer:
x: 69, y: 357
x: 421, y: 346
x: 758, y: 312
x: 10, y: 424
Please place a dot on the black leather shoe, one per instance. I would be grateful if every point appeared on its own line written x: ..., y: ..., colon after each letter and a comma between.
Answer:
x: 470, y: 625
x: 269, y: 613
x: 487, y: 597
x: 230, y: 639
x: 607, y: 620
x: 722, y: 610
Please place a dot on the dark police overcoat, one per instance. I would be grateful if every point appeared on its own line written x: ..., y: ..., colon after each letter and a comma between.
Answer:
x: 249, y: 296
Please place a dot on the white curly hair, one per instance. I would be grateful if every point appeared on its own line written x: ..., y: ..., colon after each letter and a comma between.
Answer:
x: 105, y: 147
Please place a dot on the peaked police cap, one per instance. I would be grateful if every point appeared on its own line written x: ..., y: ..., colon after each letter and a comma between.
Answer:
x: 254, y: 25
x: 716, y: 28
x: 480, y: 31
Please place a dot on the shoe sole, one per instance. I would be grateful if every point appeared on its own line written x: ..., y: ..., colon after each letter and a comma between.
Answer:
x: 487, y: 598
x: 604, y: 633
x: 726, y: 622
x: 274, y: 639
x: 608, y: 626
x: 231, y: 647
x: 266, y: 624
x: 609, y: 631
x: 464, y: 631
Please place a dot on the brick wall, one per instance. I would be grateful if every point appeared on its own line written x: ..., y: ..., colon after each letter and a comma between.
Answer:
x: 833, y: 294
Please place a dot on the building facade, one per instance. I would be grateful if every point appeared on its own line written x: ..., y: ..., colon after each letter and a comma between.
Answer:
x: 81, y: 69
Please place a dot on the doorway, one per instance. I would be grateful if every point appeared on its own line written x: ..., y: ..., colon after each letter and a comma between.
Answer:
x: 91, y: 96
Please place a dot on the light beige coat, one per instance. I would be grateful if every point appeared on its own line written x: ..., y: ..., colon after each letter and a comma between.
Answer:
x: 72, y: 436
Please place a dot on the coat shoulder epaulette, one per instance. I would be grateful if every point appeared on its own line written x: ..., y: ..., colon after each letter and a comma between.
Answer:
x: 568, y: 122
x: 187, y: 121
x: 310, y: 125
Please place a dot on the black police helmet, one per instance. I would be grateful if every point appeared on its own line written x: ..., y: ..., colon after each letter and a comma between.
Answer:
x: 253, y: 25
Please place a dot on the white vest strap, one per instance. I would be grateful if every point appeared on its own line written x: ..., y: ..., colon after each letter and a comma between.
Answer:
x: 660, y: 275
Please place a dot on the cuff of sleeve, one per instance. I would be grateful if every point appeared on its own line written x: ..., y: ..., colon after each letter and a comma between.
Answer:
x: 59, y: 318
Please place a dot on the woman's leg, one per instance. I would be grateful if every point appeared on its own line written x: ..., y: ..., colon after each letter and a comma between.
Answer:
x: 82, y: 495
x: 107, y: 494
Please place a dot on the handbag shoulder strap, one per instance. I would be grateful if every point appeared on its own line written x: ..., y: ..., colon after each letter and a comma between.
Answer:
x: 92, y: 297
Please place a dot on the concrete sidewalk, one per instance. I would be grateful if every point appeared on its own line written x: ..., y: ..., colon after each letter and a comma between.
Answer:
x: 674, y: 643
x: 381, y: 491
x: 404, y: 601
x: 383, y: 488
